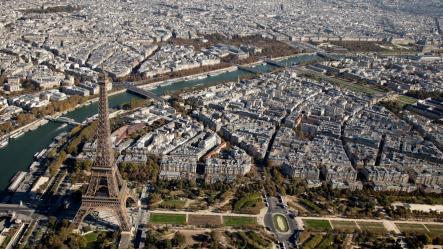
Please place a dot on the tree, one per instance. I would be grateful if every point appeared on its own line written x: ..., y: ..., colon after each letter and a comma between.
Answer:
x: 154, y: 198
x: 83, y: 165
x: 134, y: 103
x: 215, y: 237
x: 52, y: 153
x: 24, y: 118
x: 6, y: 127
x: 73, y: 145
x: 60, y: 236
x: 57, y: 163
x: 179, y: 239
x: 52, y: 221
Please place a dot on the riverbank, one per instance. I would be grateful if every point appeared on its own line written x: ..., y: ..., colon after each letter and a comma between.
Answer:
x: 88, y: 102
x: 42, y: 121
x: 147, y: 86
x: 23, y: 129
x: 152, y: 85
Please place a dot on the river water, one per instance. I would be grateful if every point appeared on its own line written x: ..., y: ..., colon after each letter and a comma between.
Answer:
x: 18, y: 154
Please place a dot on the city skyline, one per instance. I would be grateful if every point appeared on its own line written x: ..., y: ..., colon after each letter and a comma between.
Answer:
x: 203, y: 124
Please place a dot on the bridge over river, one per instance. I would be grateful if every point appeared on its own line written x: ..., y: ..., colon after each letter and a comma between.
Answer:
x: 131, y: 88
x: 64, y: 120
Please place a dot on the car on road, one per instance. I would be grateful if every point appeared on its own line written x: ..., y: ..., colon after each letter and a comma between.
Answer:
x: 282, y: 205
x: 281, y: 245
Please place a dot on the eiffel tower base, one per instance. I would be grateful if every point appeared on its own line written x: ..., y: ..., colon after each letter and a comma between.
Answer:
x: 118, y: 210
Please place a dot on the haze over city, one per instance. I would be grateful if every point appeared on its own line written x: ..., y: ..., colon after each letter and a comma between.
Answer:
x: 221, y: 124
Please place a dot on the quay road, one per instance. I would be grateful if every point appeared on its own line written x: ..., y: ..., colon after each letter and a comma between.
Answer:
x: 7, y: 209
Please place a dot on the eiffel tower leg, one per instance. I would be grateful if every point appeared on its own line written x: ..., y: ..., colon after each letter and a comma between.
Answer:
x: 133, y: 199
x: 79, y: 216
x: 123, y: 218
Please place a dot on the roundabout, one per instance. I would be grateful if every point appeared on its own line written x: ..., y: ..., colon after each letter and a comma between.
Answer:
x: 280, y: 223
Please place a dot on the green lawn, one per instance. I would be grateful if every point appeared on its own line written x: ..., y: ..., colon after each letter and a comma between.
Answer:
x: 313, y: 241
x: 401, y: 101
x: 91, y: 239
x: 162, y: 218
x: 407, y: 100
x: 355, y: 87
x: 311, y: 206
x: 375, y: 227
x: 435, y: 229
x: 280, y: 223
x: 411, y: 228
x: 249, y: 204
x: 250, y: 239
x: 327, y: 242
x: 239, y: 220
x: 345, y: 226
x: 317, y: 225
x: 173, y: 204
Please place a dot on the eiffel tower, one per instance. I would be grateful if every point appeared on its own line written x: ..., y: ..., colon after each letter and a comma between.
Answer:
x: 107, y: 191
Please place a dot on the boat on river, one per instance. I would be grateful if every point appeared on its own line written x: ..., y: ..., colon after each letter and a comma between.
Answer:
x: 4, y: 142
x: 17, y: 135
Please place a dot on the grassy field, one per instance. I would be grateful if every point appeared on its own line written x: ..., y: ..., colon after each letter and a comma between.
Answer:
x: 310, y: 205
x: 280, y: 223
x: 411, y: 228
x: 399, y: 102
x: 435, y: 229
x: 313, y: 241
x: 345, y: 226
x: 406, y: 100
x: 250, y: 239
x: 327, y: 242
x: 355, y: 87
x: 173, y: 204
x: 91, y: 239
x: 239, y: 221
x: 163, y: 218
x: 196, y: 219
x: 249, y: 204
x: 375, y: 227
x: 317, y: 225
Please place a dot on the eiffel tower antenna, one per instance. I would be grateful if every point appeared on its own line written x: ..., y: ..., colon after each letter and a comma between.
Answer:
x: 106, y: 190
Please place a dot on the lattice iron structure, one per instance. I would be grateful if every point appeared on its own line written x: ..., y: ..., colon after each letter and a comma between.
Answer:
x: 106, y: 190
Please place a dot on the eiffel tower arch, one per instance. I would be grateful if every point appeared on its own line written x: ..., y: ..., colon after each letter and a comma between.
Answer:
x: 107, y: 191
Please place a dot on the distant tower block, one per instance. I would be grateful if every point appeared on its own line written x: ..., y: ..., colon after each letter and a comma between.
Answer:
x: 107, y: 191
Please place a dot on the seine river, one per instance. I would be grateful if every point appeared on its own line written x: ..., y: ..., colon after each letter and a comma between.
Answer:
x: 18, y: 154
